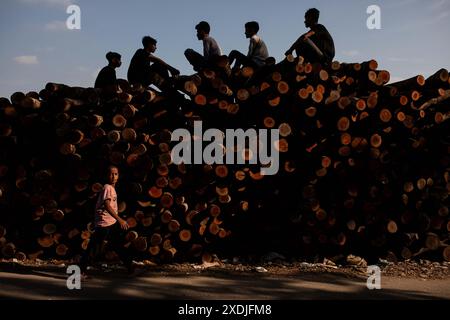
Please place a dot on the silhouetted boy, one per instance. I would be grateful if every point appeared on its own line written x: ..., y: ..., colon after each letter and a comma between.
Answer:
x: 107, y: 76
x: 147, y: 69
x: 257, y: 51
x: 316, y: 45
x: 211, y: 49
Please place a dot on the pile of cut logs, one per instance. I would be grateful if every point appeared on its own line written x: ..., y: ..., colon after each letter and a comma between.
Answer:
x: 364, y: 165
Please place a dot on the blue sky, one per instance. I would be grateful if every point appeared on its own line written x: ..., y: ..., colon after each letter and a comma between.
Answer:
x: 36, y: 47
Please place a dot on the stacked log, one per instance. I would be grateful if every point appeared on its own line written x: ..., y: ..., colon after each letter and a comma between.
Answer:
x: 364, y: 165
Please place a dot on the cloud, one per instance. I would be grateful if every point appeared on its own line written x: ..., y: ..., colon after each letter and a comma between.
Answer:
x: 26, y: 60
x: 351, y: 53
x: 398, y: 4
x: 52, y: 3
x: 438, y: 4
x: 45, y: 49
x: 408, y: 60
x: 423, y: 23
x: 443, y: 15
x: 82, y: 68
x: 56, y: 26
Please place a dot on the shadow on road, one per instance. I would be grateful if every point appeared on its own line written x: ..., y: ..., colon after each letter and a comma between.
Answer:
x: 22, y: 282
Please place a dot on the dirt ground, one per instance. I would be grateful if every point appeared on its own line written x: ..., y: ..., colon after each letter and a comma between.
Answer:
x: 228, y: 280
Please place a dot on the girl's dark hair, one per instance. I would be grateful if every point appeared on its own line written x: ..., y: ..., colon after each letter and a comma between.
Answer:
x: 108, y: 169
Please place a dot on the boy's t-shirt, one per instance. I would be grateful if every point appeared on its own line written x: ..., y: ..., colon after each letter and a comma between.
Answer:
x: 102, y: 216
x: 324, y: 41
x: 257, y: 50
x: 210, y: 48
x: 106, y: 77
x: 139, y: 67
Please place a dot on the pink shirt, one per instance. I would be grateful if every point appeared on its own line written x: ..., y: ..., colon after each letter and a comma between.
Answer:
x: 102, y: 216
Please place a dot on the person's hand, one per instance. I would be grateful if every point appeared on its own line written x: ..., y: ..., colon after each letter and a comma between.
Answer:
x: 123, y: 224
x: 288, y: 52
x: 309, y: 34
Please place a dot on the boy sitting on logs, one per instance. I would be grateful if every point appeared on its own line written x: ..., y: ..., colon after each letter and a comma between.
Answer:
x: 211, y: 50
x: 107, y: 76
x: 257, y: 51
x: 147, y: 69
x: 316, y: 45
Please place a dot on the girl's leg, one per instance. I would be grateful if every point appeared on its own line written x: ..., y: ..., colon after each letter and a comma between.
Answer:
x: 94, y: 246
x: 116, y: 242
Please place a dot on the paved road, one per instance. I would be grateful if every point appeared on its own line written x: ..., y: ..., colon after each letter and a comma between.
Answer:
x: 50, y: 283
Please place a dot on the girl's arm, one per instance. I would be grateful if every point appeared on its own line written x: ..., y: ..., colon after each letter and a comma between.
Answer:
x: 123, y: 223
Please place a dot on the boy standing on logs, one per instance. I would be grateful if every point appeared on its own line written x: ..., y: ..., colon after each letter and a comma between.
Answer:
x: 211, y: 50
x: 106, y: 228
x: 257, y: 51
x: 107, y: 76
x: 140, y: 70
x: 316, y: 45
